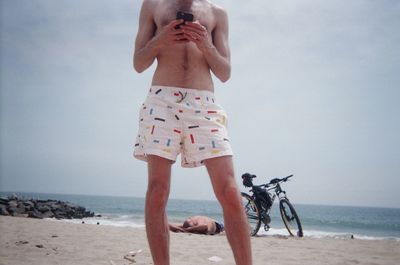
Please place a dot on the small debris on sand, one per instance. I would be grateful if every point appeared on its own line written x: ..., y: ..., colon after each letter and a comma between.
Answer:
x: 130, y: 256
x: 215, y: 259
x: 21, y: 242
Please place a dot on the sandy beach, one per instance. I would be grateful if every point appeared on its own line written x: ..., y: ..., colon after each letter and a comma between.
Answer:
x: 32, y: 241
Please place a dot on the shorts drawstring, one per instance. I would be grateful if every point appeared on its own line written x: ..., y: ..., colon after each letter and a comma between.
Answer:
x: 182, y: 96
x: 179, y: 95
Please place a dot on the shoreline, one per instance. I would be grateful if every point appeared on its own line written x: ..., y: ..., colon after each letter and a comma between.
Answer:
x: 33, y: 241
x: 273, y: 232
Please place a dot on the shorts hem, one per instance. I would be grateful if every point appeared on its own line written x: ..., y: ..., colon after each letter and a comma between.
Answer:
x: 199, y: 161
x: 143, y: 155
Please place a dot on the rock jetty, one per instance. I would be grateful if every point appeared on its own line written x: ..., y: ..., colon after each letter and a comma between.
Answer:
x: 24, y: 207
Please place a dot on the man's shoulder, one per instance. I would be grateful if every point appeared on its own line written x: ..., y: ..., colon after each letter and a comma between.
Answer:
x: 218, y: 12
x: 217, y: 9
x: 151, y: 3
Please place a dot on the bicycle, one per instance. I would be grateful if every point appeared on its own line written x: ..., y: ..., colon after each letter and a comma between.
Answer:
x: 258, y: 205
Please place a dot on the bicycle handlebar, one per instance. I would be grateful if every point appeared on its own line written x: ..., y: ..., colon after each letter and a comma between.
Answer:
x: 276, y: 181
x: 247, y: 180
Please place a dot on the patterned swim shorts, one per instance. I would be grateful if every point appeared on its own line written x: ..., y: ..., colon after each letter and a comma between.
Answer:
x: 182, y: 121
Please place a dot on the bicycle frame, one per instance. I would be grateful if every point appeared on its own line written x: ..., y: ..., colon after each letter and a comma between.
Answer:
x: 273, y: 191
x: 278, y: 191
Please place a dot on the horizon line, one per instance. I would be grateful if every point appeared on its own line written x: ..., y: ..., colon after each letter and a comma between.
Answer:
x: 186, y: 199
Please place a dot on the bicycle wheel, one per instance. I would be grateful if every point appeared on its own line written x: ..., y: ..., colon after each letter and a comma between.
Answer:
x: 252, y: 213
x: 290, y: 218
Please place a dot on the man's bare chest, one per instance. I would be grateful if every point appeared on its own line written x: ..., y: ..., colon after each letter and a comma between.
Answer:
x: 201, y: 10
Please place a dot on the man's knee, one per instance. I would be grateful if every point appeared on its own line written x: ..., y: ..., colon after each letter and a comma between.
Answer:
x: 157, y: 195
x: 159, y: 170
x: 228, y: 196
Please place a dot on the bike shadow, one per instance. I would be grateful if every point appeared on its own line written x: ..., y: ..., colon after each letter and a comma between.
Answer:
x: 273, y: 236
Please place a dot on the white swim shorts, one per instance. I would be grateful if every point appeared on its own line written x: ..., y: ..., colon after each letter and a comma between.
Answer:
x: 182, y: 121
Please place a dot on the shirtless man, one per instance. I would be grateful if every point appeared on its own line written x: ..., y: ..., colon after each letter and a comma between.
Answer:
x: 198, y: 225
x: 180, y: 115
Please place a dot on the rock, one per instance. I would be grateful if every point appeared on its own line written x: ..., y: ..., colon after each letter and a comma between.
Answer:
x: 48, y: 214
x: 3, y: 210
x: 44, y: 208
x: 13, y: 204
x: 35, y: 208
x: 88, y: 214
x: 21, y: 208
x: 71, y: 205
x: 35, y: 214
x: 29, y: 203
x: 60, y: 215
x: 14, y: 210
x: 54, y: 206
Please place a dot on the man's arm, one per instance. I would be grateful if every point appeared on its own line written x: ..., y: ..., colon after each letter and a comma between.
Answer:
x: 147, y: 45
x: 215, y: 51
x: 145, y: 50
x: 176, y: 228
x: 198, y: 229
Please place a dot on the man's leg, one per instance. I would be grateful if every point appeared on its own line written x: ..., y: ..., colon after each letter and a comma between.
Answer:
x: 222, y: 177
x: 159, y: 170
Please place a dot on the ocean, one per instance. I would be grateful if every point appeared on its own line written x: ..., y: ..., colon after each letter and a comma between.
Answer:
x: 317, y: 220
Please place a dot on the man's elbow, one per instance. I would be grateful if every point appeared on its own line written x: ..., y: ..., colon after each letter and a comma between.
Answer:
x: 138, y: 67
x: 138, y: 70
x: 225, y: 76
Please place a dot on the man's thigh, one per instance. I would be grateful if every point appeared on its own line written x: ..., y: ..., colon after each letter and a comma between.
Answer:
x: 221, y: 172
x: 159, y: 170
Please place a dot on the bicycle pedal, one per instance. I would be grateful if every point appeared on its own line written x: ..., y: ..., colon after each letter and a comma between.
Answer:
x: 266, y: 228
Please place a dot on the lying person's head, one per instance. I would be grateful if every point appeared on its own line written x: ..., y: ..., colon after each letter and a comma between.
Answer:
x: 188, y: 223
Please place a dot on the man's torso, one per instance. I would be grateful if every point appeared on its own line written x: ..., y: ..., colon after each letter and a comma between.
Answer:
x: 183, y: 65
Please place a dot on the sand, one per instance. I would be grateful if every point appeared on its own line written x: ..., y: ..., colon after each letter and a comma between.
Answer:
x: 41, y: 242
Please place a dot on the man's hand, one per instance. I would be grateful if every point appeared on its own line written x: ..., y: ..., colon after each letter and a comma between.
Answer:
x: 169, y: 35
x: 197, y: 33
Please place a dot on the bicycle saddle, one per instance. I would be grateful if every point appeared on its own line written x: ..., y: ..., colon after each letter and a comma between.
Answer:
x: 247, y: 179
x: 248, y: 175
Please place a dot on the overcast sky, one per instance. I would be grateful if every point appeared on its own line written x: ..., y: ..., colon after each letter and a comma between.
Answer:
x: 314, y: 92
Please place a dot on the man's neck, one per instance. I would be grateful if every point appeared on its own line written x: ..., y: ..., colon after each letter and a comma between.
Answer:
x: 185, y: 5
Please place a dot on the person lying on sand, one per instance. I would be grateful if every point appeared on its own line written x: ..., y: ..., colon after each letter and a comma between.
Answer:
x: 198, y: 225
